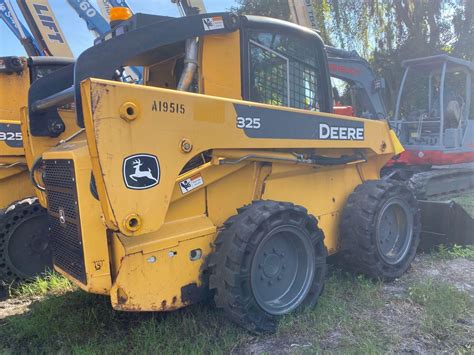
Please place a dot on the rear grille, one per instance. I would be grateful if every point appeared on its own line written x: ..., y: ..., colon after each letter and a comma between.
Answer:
x: 64, y: 221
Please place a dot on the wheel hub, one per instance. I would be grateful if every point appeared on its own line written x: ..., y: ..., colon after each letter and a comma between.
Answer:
x: 282, y: 270
x: 26, y: 251
x: 272, y: 265
x: 394, y: 230
x: 38, y: 244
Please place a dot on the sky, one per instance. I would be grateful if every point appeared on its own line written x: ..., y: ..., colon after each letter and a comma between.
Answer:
x: 75, y: 29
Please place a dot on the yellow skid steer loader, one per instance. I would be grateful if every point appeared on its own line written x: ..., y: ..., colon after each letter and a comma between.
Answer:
x: 24, y: 247
x: 225, y: 173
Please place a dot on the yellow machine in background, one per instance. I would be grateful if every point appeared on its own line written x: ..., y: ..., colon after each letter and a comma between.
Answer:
x: 226, y: 173
x: 24, y: 246
x: 14, y: 85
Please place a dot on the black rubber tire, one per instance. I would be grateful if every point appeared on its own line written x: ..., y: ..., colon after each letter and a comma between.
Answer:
x: 358, y: 229
x: 16, y: 216
x: 235, y: 247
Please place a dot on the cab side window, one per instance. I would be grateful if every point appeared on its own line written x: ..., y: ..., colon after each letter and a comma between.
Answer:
x: 283, y: 71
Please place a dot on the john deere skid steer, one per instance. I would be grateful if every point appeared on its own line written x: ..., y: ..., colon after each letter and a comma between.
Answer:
x: 224, y: 174
x: 24, y: 250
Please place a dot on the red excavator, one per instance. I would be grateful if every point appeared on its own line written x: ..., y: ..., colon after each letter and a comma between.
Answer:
x: 434, y: 118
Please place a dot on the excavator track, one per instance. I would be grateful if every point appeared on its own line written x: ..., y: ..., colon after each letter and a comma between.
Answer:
x: 441, y: 183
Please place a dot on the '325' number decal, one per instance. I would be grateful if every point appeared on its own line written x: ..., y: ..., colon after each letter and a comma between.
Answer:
x: 10, y: 136
x: 248, y: 122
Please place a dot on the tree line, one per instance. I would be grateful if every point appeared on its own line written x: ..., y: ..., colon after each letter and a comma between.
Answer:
x: 386, y: 32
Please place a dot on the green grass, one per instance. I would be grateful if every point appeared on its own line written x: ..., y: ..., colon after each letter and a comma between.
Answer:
x: 51, y: 284
x: 467, y: 202
x: 453, y: 252
x: 343, y: 311
x: 77, y: 322
x: 67, y: 320
x: 443, y: 307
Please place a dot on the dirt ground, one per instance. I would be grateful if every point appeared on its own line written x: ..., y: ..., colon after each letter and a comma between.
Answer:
x: 14, y: 306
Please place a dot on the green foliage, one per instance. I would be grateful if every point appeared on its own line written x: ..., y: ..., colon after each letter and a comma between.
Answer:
x: 71, y: 321
x: 347, y: 319
x: 52, y: 283
x: 463, y: 23
x: 386, y: 31
x: 344, y: 311
x: 455, y: 251
x: 77, y: 322
x: 466, y: 200
x: 271, y: 8
x: 443, y: 306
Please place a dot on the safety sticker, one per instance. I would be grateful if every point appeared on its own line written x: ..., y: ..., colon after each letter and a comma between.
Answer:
x: 213, y: 23
x: 191, y: 183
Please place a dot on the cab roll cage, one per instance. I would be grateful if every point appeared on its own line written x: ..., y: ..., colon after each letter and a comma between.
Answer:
x: 134, y: 43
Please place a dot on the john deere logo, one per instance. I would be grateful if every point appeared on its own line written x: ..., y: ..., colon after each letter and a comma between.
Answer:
x: 141, y: 171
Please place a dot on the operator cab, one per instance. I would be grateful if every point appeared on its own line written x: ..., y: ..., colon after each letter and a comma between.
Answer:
x: 434, y: 105
x: 238, y: 57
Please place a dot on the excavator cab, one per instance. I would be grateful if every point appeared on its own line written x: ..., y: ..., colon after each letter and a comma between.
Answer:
x: 356, y: 88
x: 433, y: 114
x: 434, y: 119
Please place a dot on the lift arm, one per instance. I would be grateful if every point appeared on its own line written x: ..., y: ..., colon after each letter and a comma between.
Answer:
x: 8, y: 15
x: 45, y: 27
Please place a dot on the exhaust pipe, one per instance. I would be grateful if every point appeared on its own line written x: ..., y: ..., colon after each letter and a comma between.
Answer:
x: 190, y: 64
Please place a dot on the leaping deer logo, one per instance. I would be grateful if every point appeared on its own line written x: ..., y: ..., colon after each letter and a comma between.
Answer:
x: 137, y: 163
x: 141, y: 171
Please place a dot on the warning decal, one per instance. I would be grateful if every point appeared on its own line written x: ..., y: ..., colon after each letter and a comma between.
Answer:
x: 191, y: 183
x: 213, y: 23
